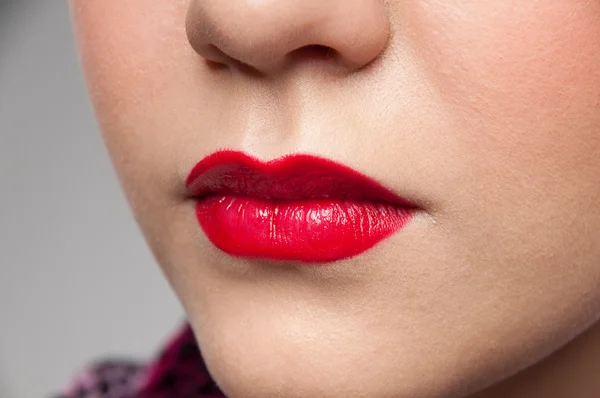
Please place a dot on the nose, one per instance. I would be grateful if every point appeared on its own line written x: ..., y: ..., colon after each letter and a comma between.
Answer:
x: 267, y: 34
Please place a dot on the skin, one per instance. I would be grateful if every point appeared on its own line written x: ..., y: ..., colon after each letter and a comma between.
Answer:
x: 486, y: 114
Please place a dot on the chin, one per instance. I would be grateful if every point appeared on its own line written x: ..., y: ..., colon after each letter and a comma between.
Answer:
x: 247, y: 362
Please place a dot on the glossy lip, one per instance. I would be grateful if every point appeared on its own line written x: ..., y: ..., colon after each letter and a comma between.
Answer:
x: 296, y: 208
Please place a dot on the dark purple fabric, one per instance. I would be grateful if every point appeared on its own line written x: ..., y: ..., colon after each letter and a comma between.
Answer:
x: 177, y: 372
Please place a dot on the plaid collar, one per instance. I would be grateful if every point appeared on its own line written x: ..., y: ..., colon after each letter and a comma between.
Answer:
x: 177, y: 372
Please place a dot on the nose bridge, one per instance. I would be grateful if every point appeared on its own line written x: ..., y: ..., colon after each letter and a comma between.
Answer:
x: 263, y: 33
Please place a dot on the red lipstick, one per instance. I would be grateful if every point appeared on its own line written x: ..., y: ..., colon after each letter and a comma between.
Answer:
x: 296, y: 208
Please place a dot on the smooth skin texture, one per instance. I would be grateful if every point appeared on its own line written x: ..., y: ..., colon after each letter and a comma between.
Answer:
x: 484, y: 113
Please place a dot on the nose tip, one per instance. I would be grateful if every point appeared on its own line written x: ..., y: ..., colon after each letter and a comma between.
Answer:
x: 266, y: 34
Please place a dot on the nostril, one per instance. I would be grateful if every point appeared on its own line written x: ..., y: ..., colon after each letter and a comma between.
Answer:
x: 314, y: 51
x: 216, y: 59
x: 214, y: 54
x: 215, y: 65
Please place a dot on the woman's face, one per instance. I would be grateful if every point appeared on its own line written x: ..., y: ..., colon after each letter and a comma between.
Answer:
x: 484, y: 114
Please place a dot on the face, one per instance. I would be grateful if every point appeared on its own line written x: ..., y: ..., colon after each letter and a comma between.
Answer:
x: 483, y: 114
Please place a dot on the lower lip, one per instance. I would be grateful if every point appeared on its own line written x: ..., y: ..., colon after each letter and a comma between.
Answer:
x: 310, y: 231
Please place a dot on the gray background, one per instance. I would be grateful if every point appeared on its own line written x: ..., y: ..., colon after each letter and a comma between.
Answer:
x: 77, y: 281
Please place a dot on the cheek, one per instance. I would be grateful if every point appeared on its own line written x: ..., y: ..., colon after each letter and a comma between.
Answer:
x: 129, y: 50
x: 498, y: 54
x: 520, y: 82
x: 532, y: 61
x: 136, y: 60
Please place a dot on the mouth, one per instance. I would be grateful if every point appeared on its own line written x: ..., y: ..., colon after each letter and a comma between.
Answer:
x: 298, y: 208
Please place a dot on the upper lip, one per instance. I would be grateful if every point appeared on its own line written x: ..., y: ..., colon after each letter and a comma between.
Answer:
x: 290, y: 178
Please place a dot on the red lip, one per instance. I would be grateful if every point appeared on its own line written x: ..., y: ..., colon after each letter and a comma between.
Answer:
x: 296, y: 208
